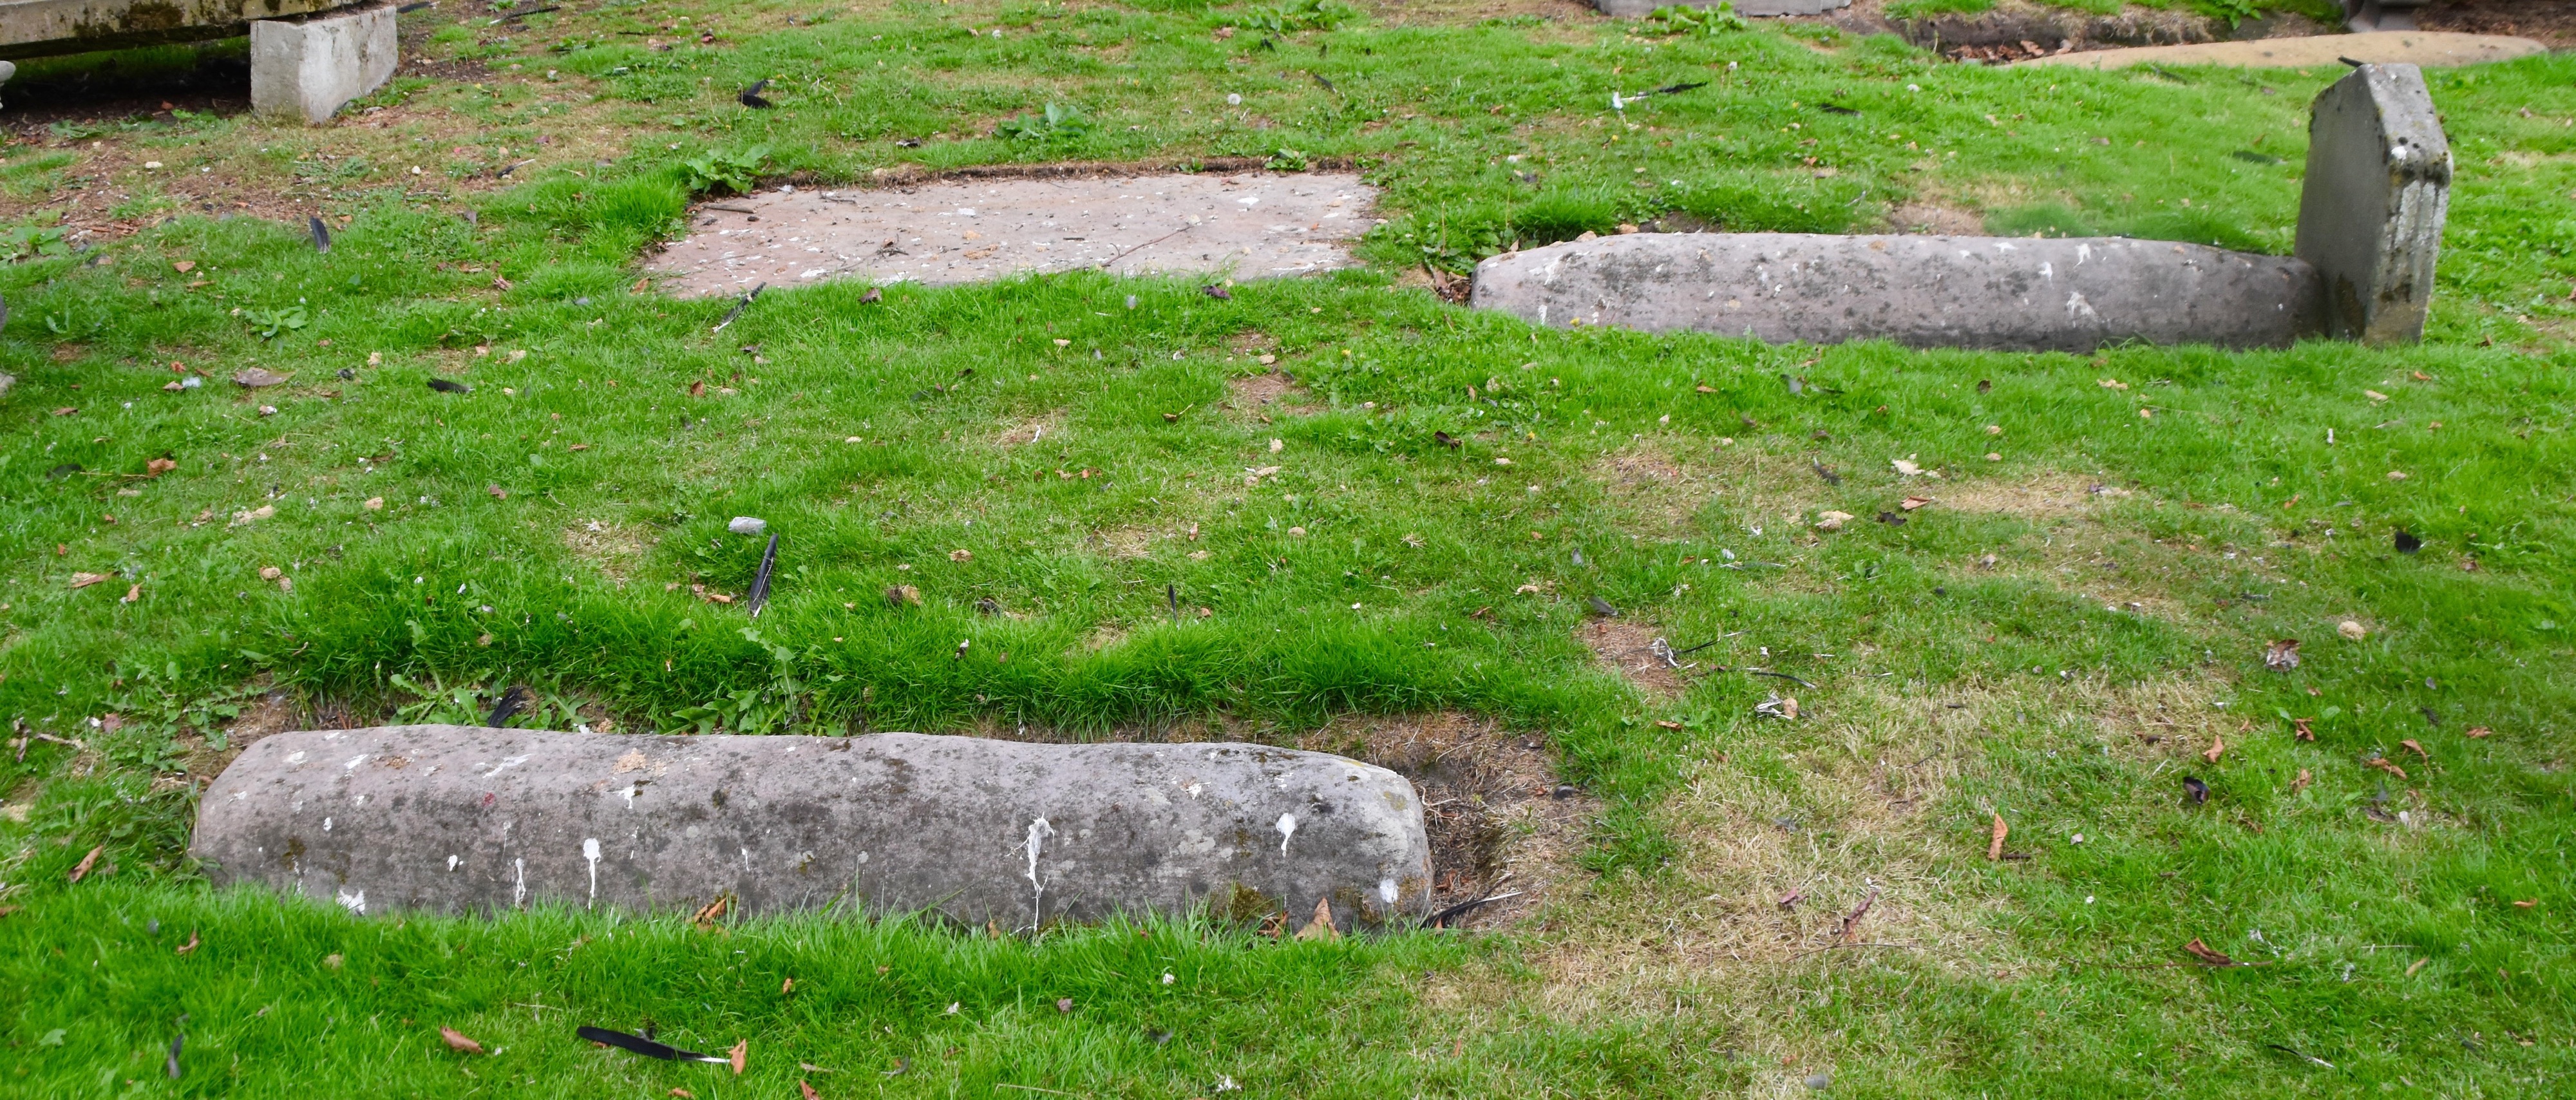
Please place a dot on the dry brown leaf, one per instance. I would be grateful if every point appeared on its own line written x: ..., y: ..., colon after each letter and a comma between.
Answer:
x: 84, y: 580
x: 2418, y: 748
x: 1832, y: 521
x: 2301, y: 783
x: 81, y: 871
x: 741, y: 1054
x: 2387, y: 765
x: 1706, y: 389
x: 1905, y: 467
x: 2478, y: 731
x: 456, y: 1041
x: 682, y: 1093
x: 1321, y: 927
x: 961, y: 555
x: 807, y: 1091
x: 1912, y: 503
x: 2300, y: 725
x: 2527, y: 903
x: 698, y: 388
x: 712, y: 912
x: 1995, y: 846
x: 132, y: 593
x: 2204, y: 953
x: 2415, y: 966
x: 2113, y: 384
x: 2281, y: 655
x: 2217, y: 747
x: 190, y: 946
x: 1851, y: 922
x: 158, y: 467
x: 787, y: 988
x: 1667, y: 725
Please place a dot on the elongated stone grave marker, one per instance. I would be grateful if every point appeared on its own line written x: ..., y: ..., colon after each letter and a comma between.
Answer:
x: 464, y: 820
x: 2370, y: 227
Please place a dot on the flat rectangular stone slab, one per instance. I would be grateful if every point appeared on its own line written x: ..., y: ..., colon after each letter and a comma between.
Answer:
x: 456, y: 819
x: 2434, y: 48
x: 2000, y: 293
x: 1248, y: 225
x: 1631, y: 9
x: 40, y: 28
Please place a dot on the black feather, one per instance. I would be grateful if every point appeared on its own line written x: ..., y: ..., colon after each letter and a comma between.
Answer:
x: 321, y: 235
x: 172, y: 1066
x: 740, y: 306
x: 512, y: 701
x: 407, y: 9
x: 1827, y: 473
x: 750, y: 96
x: 1327, y: 85
x: 1669, y: 89
x: 759, y: 596
x: 1217, y: 292
x: 1601, y: 606
x: 444, y: 386
x: 1445, y: 439
x: 1835, y: 109
x: 646, y: 1047
x: 2407, y: 543
x: 1173, y: 593
x: 2197, y: 790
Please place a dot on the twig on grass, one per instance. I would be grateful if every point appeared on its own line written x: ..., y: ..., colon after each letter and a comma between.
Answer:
x: 1104, y: 264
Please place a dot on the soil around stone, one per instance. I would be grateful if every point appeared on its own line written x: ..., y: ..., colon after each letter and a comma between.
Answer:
x: 1499, y: 820
x: 2551, y: 21
x: 1243, y: 226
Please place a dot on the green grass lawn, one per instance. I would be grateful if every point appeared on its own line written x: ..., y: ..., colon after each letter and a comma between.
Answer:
x: 2057, y: 639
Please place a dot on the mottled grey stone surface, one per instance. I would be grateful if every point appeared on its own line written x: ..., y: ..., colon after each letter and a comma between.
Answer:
x: 44, y: 28
x: 1630, y: 9
x: 2017, y: 294
x: 305, y: 68
x: 464, y: 820
x: 2371, y: 210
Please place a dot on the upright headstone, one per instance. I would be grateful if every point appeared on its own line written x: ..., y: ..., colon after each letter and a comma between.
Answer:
x: 306, y: 68
x: 2370, y: 215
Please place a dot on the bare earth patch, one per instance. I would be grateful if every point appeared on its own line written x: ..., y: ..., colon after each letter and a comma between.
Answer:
x: 1266, y: 393
x: 1499, y: 821
x: 1628, y: 647
x: 1245, y: 226
x: 614, y: 550
x: 1937, y: 220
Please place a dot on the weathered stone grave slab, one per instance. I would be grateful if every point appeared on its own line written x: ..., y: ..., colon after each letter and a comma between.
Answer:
x: 465, y: 820
x: 1630, y: 9
x: 2370, y: 227
x: 1246, y: 225
x: 2371, y: 209
x: 2016, y: 294
x: 2436, y: 48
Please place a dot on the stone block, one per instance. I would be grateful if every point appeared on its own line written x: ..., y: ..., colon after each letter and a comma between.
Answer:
x: 2371, y: 209
x: 2007, y: 294
x: 307, y: 68
x: 1631, y: 9
x: 463, y: 820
